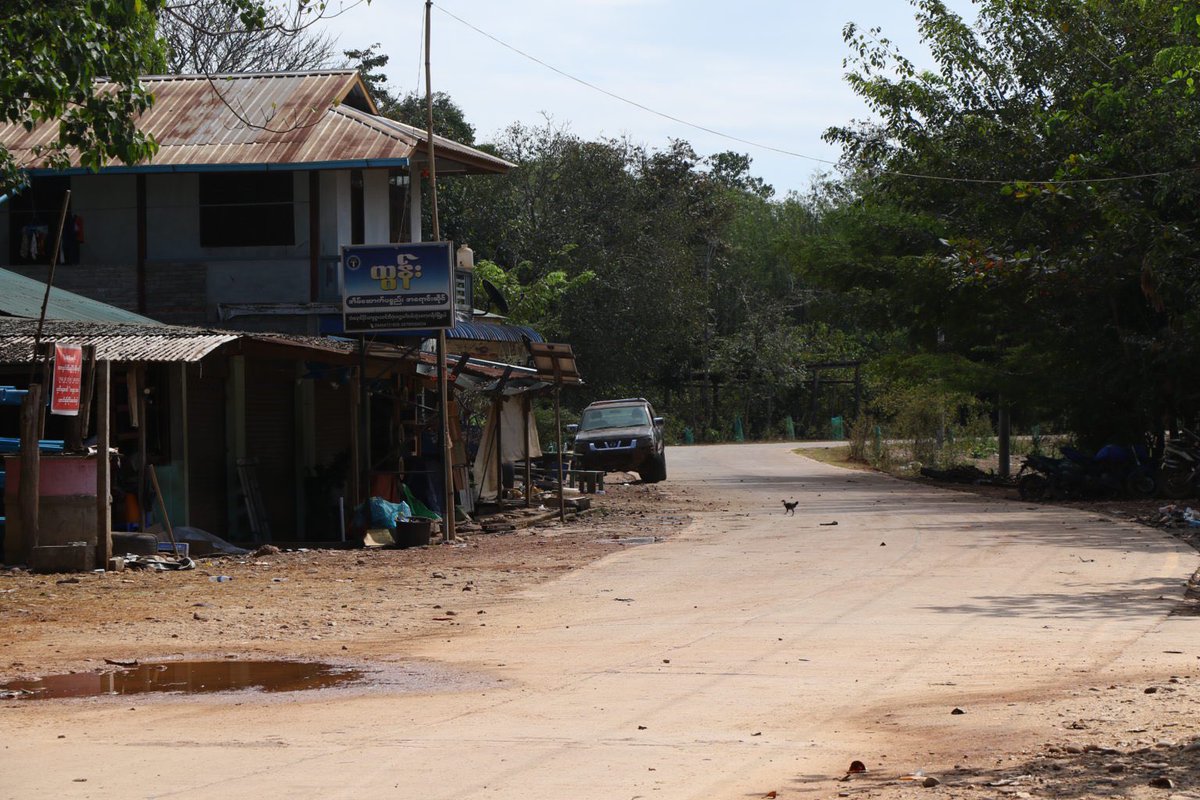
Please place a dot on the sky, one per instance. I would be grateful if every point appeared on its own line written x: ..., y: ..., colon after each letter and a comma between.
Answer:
x: 765, y: 71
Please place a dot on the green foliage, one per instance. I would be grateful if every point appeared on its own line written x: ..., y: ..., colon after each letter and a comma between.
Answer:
x: 1070, y: 298
x: 537, y: 303
x: 370, y: 63
x: 448, y: 119
x: 52, y: 52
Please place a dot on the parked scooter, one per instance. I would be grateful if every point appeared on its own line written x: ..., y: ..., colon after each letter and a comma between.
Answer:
x: 1179, y: 476
x: 1115, y: 470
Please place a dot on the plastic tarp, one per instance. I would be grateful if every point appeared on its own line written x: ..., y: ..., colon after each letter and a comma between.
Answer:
x: 511, y: 419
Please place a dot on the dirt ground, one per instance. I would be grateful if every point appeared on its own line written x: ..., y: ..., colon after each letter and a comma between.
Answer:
x: 1135, y: 740
x: 311, y: 604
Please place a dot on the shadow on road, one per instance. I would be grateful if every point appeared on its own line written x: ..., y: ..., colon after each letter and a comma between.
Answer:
x: 1102, y: 601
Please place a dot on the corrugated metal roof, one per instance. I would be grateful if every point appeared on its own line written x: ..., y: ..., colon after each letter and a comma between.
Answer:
x: 464, y: 157
x: 480, y: 332
x: 131, y: 342
x: 293, y: 119
x: 493, y: 333
x: 22, y: 297
x: 485, y: 376
x: 113, y: 341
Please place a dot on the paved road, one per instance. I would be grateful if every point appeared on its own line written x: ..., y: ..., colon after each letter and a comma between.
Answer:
x: 755, y: 652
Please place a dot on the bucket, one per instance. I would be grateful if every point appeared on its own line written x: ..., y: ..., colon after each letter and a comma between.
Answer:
x: 413, y: 534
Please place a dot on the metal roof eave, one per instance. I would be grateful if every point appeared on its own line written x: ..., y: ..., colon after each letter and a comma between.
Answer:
x: 308, y: 166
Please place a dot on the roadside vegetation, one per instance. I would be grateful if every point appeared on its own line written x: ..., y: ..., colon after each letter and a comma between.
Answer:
x: 1013, y: 227
x: 1046, y: 260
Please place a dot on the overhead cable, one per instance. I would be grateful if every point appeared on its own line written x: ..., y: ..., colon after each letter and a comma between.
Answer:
x: 792, y: 153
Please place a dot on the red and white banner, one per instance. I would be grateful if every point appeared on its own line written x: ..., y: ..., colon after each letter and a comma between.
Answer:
x: 68, y: 379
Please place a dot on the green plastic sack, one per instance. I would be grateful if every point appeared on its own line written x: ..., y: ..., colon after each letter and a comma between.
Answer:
x: 419, y: 509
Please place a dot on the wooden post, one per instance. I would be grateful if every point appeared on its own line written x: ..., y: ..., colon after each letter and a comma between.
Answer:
x: 141, y: 431
x: 103, y: 466
x: 443, y: 389
x: 28, y: 494
x: 498, y: 407
x: 356, y: 466
x: 364, y: 422
x: 1005, y: 439
x: 558, y: 454
x: 526, y: 406
x: 447, y: 446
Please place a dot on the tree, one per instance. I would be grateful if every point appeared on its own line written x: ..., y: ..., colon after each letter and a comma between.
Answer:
x: 534, y: 300
x: 411, y: 108
x: 1063, y: 260
x: 448, y: 118
x: 370, y: 63
x: 53, y: 51
x: 209, y: 37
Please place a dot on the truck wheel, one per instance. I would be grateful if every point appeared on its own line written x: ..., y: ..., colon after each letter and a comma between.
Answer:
x: 655, y: 469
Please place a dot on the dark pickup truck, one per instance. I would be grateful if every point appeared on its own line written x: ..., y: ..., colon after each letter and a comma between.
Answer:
x: 621, y: 435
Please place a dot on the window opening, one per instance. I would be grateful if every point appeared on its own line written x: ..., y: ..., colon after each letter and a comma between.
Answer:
x: 246, y: 209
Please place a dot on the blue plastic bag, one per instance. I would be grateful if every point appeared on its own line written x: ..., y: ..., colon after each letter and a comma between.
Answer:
x: 386, y: 515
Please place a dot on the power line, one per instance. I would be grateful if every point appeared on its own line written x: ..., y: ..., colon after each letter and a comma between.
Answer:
x: 633, y: 103
x: 792, y: 153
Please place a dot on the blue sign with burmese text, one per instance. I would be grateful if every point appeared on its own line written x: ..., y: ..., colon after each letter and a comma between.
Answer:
x: 397, y: 287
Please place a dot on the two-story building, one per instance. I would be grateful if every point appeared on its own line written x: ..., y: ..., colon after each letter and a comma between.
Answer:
x: 238, y: 219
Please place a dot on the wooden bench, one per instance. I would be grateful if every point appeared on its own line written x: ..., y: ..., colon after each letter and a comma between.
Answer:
x: 588, y: 481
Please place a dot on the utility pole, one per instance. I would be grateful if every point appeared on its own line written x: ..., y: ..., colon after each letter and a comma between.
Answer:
x: 443, y: 388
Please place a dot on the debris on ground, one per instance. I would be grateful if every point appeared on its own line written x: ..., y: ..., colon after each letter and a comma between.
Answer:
x: 1174, y: 516
x: 159, y: 563
x: 964, y: 473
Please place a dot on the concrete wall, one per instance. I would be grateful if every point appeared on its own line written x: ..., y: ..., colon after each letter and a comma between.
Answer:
x: 108, y: 206
x: 376, y: 197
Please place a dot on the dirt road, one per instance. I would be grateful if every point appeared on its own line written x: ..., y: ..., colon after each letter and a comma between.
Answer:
x: 753, y: 652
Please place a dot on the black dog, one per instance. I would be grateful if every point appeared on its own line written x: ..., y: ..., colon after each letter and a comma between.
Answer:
x: 790, y: 508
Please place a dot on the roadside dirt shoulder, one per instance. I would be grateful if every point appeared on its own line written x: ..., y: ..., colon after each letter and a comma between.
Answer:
x: 361, y: 605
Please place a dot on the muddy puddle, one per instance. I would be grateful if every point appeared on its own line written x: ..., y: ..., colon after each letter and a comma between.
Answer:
x: 185, y: 678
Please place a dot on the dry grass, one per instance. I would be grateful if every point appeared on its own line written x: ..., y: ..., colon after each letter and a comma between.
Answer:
x: 834, y: 456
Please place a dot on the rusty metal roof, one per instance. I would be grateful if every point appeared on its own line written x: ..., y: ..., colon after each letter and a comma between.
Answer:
x: 452, y: 156
x: 292, y: 120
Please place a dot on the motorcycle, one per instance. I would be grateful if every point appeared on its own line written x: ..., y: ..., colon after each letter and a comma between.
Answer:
x: 1179, y: 476
x: 1114, y: 470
